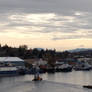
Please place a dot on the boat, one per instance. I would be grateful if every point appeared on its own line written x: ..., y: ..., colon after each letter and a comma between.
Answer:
x: 7, y: 70
x: 37, y: 79
x: 84, y: 67
x: 87, y: 86
x: 64, y: 68
x: 21, y: 71
x: 50, y: 69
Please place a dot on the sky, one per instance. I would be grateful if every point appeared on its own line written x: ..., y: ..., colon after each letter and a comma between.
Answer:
x: 59, y: 24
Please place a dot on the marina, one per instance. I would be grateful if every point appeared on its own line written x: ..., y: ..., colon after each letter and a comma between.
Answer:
x: 45, y: 45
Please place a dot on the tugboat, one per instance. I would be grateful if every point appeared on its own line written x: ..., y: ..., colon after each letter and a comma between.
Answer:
x: 36, y: 74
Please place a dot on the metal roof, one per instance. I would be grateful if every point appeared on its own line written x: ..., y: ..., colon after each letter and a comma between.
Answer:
x: 4, y: 59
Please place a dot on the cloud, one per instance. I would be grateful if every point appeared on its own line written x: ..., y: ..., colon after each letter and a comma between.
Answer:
x: 66, y: 19
x: 81, y: 46
x: 80, y: 35
x: 45, y: 5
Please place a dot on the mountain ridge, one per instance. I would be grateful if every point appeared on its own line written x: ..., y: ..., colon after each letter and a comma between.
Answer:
x: 79, y: 49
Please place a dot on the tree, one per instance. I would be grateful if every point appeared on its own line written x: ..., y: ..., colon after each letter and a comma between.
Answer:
x: 23, y: 47
x: 51, y: 57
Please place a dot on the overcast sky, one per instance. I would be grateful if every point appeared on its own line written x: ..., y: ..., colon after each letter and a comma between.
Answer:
x: 60, y: 24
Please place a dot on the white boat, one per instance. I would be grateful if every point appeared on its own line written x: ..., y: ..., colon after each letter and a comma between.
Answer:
x: 64, y: 68
x: 84, y: 66
x: 7, y: 70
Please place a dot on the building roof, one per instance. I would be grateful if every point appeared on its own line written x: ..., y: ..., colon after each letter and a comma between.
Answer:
x: 4, y: 59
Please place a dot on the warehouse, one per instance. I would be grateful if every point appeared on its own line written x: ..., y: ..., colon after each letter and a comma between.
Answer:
x: 15, y: 61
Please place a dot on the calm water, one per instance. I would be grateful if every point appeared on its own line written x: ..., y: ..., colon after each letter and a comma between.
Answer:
x: 74, y: 77
x: 74, y: 80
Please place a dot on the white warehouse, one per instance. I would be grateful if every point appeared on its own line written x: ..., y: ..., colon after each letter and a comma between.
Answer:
x: 15, y: 61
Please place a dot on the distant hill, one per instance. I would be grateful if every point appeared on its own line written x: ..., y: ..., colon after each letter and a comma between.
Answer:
x: 80, y: 50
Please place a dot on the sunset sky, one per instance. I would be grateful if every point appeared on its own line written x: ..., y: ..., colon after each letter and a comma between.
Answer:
x: 60, y: 24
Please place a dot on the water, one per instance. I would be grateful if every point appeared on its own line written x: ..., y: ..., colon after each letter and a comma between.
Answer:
x: 58, y: 82
x: 74, y: 77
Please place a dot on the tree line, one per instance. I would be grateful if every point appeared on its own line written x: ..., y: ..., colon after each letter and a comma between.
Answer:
x: 25, y: 53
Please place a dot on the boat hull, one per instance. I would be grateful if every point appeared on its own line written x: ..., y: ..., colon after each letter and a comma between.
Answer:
x: 8, y: 73
x: 64, y: 70
x: 88, y: 86
x: 50, y: 70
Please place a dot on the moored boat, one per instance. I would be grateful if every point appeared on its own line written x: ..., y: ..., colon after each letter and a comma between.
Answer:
x: 64, y: 68
x: 7, y: 70
x: 50, y: 69
x: 84, y: 67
